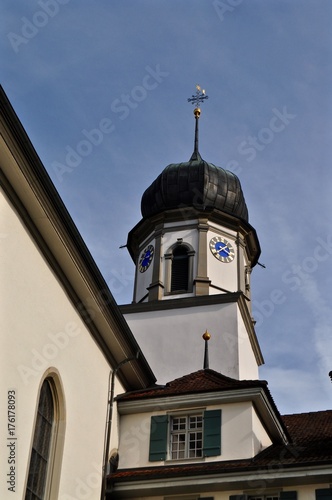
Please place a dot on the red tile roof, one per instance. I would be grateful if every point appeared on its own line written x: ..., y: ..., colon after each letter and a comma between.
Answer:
x: 310, y: 433
x: 200, y: 381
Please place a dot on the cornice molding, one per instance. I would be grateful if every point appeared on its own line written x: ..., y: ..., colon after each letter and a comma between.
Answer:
x: 32, y: 193
x: 257, y: 395
x: 145, y: 227
x: 244, y: 479
x: 161, y: 305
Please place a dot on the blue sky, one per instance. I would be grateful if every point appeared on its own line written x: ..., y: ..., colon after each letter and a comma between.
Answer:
x: 102, y: 88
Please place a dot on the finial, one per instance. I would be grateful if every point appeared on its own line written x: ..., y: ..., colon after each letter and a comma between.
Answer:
x: 197, y: 99
x: 206, y: 336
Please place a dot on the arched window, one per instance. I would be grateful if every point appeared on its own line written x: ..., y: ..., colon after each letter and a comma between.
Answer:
x: 179, y: 268
x: 43, y: 446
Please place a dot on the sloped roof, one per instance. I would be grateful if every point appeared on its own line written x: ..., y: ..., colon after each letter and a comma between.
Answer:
x: 201, y: 381
x: 310, y: 434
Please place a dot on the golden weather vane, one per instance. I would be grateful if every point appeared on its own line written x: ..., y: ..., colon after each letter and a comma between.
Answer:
x: 197, y: 98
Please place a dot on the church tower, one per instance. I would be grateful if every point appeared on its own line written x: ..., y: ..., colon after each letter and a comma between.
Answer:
x: 194, y: 251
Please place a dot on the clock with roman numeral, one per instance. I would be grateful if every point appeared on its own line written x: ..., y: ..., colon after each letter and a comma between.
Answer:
x: 222, y: 249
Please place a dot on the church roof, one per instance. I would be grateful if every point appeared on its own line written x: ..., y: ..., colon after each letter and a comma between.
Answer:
x: 201, y: 381
x: 196, y: 184
x: 311, y: 445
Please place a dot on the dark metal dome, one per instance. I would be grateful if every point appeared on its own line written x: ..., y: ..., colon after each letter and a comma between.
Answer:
x: 197, y: 184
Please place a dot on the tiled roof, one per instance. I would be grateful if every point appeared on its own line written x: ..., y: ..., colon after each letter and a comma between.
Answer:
x: 311, y: 445
x: 200, y: 381
x: 310, y: 433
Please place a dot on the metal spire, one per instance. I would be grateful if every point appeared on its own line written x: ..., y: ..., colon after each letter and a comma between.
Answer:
x: 206, y: 336
x: 197, y: 99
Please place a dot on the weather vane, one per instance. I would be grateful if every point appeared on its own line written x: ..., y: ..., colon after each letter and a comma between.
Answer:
x: 197, y: 99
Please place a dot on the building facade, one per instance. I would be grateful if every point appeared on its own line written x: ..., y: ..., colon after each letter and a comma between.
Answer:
x: 62, y: 336
x: 84, y: 417
x: 207, y: 434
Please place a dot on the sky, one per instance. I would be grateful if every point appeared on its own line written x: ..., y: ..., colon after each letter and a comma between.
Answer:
x: 101, y: 88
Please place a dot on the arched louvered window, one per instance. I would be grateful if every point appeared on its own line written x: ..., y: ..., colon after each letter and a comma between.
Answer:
x: 179, y: 261
x: 180, y: 269
x: 43, y: 442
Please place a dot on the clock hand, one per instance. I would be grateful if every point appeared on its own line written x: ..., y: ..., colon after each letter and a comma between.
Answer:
x: 224, y: 248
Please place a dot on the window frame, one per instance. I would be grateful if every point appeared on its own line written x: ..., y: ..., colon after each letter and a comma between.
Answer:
x: 169, y: 257
x: 186, y: 432
x: 56, y: 438
x: 160, y: 435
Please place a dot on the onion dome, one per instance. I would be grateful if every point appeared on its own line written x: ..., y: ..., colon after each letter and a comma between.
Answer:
x: 196, y: 184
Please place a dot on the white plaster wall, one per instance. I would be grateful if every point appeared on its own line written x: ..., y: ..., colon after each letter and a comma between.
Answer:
x: 237, y: 436
x: 172, y: 339
x: 188, y: 235
x: 40, y: 331
x: 261, y: 439
x: 221, y: 274
x: 248, y: 368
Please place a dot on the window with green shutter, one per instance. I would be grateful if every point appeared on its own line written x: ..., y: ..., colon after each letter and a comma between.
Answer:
x: 212, y: 433
x: 158, y: 438
x: 185, y: 436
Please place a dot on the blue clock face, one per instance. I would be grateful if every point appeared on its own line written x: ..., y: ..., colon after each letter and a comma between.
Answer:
x: 222, y: 249
x: 146, y: 258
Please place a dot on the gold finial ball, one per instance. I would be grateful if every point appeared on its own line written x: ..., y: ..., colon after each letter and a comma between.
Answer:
x: 206, y: 335
x: 197, y: 112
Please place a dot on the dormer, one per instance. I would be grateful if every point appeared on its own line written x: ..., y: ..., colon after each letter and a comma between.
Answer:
x: 201, y: 418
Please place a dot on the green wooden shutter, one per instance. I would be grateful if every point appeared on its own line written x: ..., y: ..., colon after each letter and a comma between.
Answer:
x: 158, y: 438
x: 288, y: 495
x: 212, y: 433
x: 324, y: 494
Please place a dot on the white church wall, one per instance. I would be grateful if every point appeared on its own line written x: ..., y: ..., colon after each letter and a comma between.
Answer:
x: 222, y: 274
x: 260, y: 438
x: 42, y: 334
x: 248, y: 368
x: 239, y: 432
x: 172, y: 339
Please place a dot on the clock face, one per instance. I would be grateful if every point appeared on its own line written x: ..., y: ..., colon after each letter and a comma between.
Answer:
x: 222, y: 249
x: 146, y: 258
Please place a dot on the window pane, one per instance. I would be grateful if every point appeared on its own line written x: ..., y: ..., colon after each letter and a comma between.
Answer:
x: 186, y: 437
x: 41, y: 445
